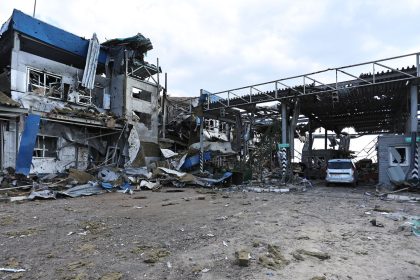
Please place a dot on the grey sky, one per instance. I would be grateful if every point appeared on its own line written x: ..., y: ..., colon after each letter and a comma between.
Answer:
x: 218, y: 45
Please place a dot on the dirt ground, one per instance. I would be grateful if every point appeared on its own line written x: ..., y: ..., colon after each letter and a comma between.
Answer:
x: 194, y: 234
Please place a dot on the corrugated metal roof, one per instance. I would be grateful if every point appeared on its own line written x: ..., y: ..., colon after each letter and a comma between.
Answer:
x: 6, y: 100
x: 49, y: 34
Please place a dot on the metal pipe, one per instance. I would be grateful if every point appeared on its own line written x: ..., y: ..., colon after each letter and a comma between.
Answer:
x: 413, y: 108
x: 310, y: 145
x: 158, y: 86
x: 201, y: 139
x: 283, y: 123
x: 373, y: 69
x: 326, y: 139
x: 34, y: 9
x: 276, y: 94
x: 1, y: 145
x: 164, y: 106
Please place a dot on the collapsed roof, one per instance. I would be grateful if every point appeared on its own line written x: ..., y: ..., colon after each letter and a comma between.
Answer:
x: 48, y: 41
x: 45, y: 40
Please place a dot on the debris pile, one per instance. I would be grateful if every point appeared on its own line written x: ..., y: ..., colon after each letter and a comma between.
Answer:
x: 181, y: 170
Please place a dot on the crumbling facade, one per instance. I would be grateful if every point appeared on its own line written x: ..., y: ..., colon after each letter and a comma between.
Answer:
x: 70, y: 102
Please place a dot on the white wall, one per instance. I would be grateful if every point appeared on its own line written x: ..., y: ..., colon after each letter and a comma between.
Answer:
x: 66, y: 159
x: 134, y: 104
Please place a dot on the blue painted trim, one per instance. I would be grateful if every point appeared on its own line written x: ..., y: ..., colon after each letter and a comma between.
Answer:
x: 27, y: 144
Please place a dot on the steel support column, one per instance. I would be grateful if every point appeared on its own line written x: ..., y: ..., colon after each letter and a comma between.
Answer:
x: 283, y: 123
x: 413, y: 126
x: 201, y: 137
x: 201, y: 145
x: 326, y: 139
x: 284, y: 159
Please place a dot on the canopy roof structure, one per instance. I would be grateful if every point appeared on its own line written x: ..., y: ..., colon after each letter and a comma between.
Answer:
x: 373, y: 102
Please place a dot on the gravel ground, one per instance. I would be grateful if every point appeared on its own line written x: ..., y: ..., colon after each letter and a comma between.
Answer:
x: 194, y: 234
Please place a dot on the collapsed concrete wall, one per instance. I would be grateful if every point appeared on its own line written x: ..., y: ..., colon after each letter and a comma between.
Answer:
x: 143, y: 113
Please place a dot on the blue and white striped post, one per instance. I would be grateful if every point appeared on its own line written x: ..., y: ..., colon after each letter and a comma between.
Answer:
x: 284, y: 164
x: 415, y: 171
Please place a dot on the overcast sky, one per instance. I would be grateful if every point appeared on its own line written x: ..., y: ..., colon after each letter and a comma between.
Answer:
x: 223, y: 44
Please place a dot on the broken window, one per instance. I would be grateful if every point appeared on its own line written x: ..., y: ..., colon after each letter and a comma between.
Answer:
x: 141, y: 94
x: 44, y: 84
x: 84, y: 97
x: 222, y: 127
x: 399, y: 156
x: 45, y: 147
x: 144, y: 118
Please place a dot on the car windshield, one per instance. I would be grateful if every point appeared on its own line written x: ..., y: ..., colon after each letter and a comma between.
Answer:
x: 339, y: 165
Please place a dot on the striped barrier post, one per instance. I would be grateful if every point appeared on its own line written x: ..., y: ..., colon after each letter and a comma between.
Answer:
x: 284, y: 164
x: 415, y: 171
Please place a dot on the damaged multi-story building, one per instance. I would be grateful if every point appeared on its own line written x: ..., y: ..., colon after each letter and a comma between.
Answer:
x: 66, y: 101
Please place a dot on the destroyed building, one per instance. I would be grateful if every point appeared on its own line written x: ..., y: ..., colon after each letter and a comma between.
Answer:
x: 66, y: 101
x: 382, y: 102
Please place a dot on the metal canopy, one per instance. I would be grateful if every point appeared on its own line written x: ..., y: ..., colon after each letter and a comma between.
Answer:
x: 335, y: 98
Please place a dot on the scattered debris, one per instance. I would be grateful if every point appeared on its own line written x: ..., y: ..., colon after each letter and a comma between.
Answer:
x: 149, y: 185
x: 112, y: 276
x: 243, y: 257
x: 378, y: 208
x: 169, y: 203
x: 154, y: 255
x: 12, y: 269
x: 375, y: 223
x: 45, y: 194
x: 23, y: 233
x: 297, y: 256
x: 273, y: 259
x: 79, y: 176
x: 83, y: 190
x: 93, y: 227
x: 319, y: 278
x: 402, y: 198
x: 78, y: 264
x: 415, y: 225
x: 314, y: 253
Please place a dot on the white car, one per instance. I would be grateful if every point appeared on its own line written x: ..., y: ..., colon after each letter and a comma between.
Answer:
x: 341, y: 171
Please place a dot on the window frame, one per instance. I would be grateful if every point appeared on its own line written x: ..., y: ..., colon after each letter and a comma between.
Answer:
x: 43, y: 148
x: 407, y: 156
x: 141, y: 91
x: 42, y: 84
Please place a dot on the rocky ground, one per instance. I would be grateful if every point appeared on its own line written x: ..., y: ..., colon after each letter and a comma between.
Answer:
x: 323, y: 233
